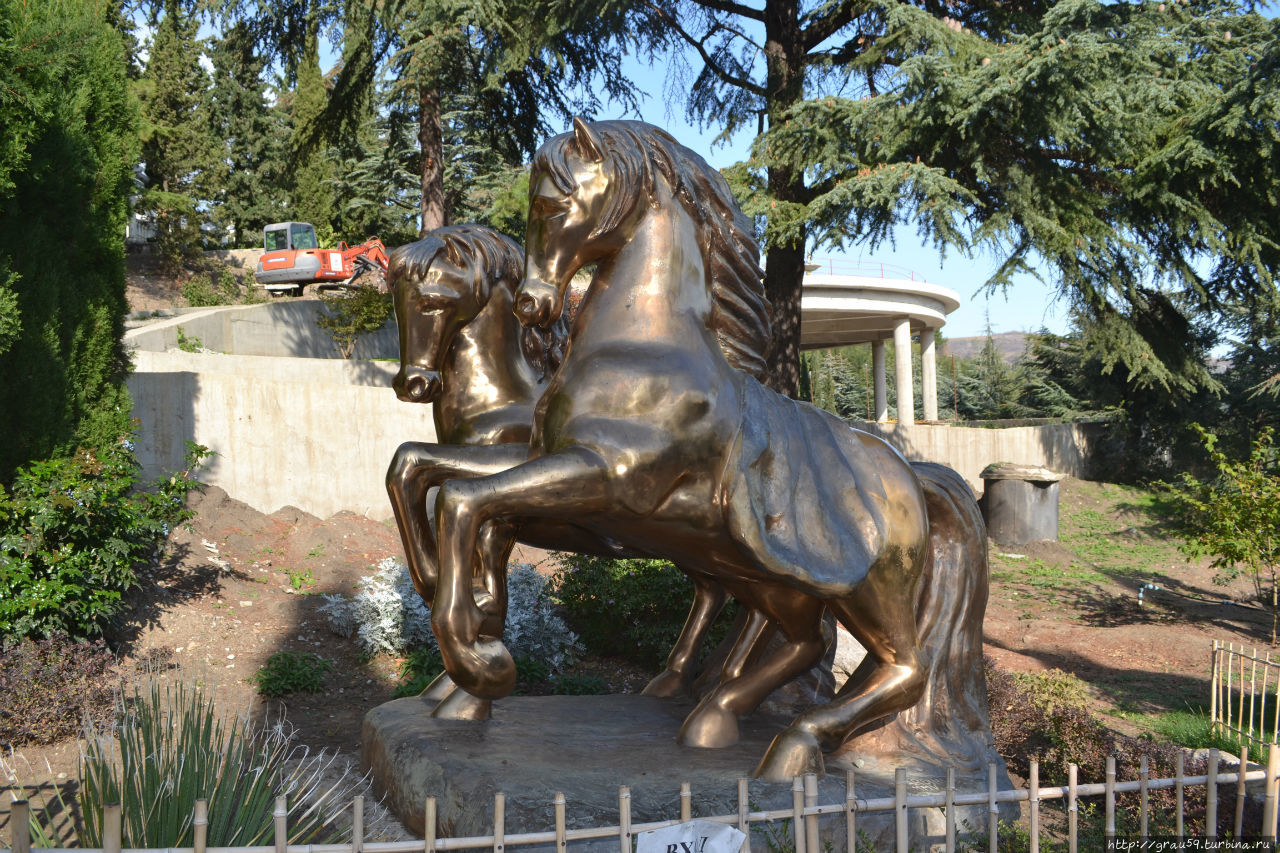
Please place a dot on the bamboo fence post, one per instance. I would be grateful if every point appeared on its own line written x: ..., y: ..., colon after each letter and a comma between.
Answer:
x: 1109, y: 828
x: 561, y: 841
x: 993, y: 811
x: 1240, y: 705
x: 280, y: 819
x: 624, y: 820
x: 429, y: 826
x: 1253, y: 689
x: 1275, y: 722
x: 357, y: 825
x: 1269, y: 803
x: 1073, y: 811
x: 1240, y: 791
x: 900, y: 809
x: 200, y: 826
x: 797, y: 814
x: 1226, y: 693
x: 20, y: 825
x: 811, y: 820
x: 1144, y: 796
x: 1180, y: 775
x: 686, y: 803
x: 1262, y: 700
x: 1211, y: 797
x: 850, y: 813
x: 744, y: 804
x: 951, y: 810
x: 1033, y: 800
x: 500, y: 822
x: 1213, y: 687
x: 111, y: 828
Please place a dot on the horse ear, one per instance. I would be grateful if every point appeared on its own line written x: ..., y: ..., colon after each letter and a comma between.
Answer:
x: 588, y: 142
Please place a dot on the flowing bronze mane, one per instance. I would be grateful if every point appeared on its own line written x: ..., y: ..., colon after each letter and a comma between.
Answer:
x: 493, y: 259
x: 740, y: 316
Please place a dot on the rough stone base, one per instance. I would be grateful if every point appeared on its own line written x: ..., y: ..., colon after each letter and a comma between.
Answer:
x: 588, y: 746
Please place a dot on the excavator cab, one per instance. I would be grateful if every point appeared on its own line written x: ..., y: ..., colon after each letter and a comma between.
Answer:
x: 292, y: 259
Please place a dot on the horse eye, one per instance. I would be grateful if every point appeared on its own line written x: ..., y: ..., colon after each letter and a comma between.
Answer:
x: 545, y: 207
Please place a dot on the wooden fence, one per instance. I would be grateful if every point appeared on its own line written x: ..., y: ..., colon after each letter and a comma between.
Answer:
x: 802, y: 816
x: 1244, y: 697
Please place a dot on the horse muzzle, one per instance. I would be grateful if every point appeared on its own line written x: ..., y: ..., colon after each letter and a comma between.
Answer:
x: 417, y: 384
x: 537, y: 304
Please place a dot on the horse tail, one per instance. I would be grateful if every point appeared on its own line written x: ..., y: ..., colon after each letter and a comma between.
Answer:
x: 951, y: 719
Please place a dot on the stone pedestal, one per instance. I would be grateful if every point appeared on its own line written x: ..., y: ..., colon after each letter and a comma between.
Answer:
x: 586, y: 747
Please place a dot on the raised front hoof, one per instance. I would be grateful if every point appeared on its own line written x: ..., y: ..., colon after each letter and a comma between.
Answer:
x: 793, y: 753
x: 668, y: 684
x: 461, y: 705
x: 440, y: 688
x: 709, y: 727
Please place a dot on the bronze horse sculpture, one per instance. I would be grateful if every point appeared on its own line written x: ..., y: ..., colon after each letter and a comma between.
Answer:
x: 463, y: 349
x: 656, y: 433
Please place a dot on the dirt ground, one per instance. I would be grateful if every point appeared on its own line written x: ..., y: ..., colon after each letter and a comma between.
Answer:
x: 237, y: 585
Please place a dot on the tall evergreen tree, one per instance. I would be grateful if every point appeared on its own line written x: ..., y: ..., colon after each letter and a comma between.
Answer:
x: 312, y: 170
x: 1109, y: 143
x: 246, y: 182
x: 175, y: 143
x: 67, y: 147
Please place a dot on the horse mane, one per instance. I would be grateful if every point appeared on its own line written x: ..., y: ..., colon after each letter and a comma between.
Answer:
x: 740, y: 314
x: 495, y: 260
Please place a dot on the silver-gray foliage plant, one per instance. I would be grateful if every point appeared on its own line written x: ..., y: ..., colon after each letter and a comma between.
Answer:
x: 388, y: 615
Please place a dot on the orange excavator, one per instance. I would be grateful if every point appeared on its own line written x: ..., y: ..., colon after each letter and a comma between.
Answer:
x: 292, y: 259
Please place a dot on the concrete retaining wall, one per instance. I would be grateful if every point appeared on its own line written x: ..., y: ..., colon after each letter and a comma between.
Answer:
x: 1059, y: 447
x: 293, y: 426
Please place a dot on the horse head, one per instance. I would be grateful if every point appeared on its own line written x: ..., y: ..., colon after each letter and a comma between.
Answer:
x: 439, y: 284
x: 579, y: 212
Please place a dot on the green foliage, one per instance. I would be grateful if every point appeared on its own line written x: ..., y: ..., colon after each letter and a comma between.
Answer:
x: 571, y: 684
x: 220, y: 287
x: 187, y: 344
x: 72, y: 533
x: 292, y: 672
x: 312, y: 197
x: 67, y: 148
x: 418, y: 670
x: 1235, y: 517
x: 170, y: 746
x: 348, y: 315
x: 633, y: 609
x: 51, y: 686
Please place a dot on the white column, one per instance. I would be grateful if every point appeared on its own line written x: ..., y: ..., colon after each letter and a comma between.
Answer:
x: 902, y: 363
x: 877, y: 370
x: 928, y: 375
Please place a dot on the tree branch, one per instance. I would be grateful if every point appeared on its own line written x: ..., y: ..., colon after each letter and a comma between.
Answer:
x: 740, y: 82
x: 731, y: 8
x: 823, y: 28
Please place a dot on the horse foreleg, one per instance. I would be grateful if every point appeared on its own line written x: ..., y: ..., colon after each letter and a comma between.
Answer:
x: 885, y: 626
x: 414, y: 470
x: 709, y: 599
x: 714, y: 723
x: 567, y: 483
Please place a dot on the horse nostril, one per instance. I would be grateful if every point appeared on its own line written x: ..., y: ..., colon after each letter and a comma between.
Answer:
x: 415, y: 388
x: 526, y: 308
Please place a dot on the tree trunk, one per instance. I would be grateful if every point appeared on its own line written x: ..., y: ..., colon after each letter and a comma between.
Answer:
x: 431, y: 141
x: 784, y: 273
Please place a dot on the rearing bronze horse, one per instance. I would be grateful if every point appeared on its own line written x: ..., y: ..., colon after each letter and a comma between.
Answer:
x: 655, y: 433
x: 462, y: 348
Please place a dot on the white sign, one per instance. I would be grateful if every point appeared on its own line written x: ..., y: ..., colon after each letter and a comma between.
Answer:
x: 696, y: 836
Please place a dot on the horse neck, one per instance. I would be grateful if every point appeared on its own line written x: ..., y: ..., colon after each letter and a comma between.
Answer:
x: 654, y: 288
x: 484, y: 369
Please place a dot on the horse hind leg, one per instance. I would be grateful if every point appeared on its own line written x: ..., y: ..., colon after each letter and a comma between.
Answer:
x: 885, y: 626
x: 709, y: 599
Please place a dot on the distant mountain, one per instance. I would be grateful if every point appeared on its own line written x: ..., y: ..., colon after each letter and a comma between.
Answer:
x: 1011, y: 345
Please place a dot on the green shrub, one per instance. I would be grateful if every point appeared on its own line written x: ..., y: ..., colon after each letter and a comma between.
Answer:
x: 571, y: 684
x: 51, y: 686
x: 348, y: 315
x: 417, y: 671
x: 633, y: 609
x: 219, y: 287
x: 188, y: 344
x: 72, y: 533
x: 292, y: 672
x: 175, y: 748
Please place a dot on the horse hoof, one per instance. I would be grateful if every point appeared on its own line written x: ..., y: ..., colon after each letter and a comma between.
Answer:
x: 668, y: 684
x: 440, y: 688
x: 793, y: 753
x: 461, y: 705
x: 709, y: 727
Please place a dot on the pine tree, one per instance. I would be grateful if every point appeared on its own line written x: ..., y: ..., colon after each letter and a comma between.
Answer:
x: 309, y: 142
x: 175, y: 144
x: 246, y: 183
